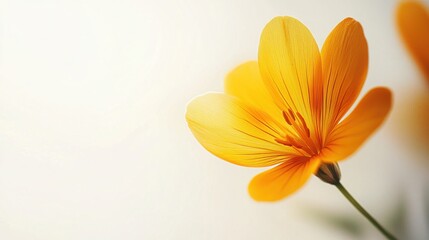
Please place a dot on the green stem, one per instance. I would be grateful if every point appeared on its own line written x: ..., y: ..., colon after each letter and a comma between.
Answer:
x: 364, y: 212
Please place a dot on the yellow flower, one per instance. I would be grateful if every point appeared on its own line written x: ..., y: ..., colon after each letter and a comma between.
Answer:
x: 287, y: 109
x: 413, y: 22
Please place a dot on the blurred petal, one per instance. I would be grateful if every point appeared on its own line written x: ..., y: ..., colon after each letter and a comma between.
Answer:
x: 245, y: 82
x: 349, y: 135
x: 236, y: 132
x: 345, y: 65
x: 289, y: 61
x: 413, y: 23
x: 282, y: 180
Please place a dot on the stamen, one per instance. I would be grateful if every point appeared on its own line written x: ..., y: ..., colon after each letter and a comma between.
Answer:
x: 291, y: 114
x: 290, y: 142
x: 298, y: 136
x: 286, y: 118
x: 307, y: 131
x: 293, y: 142
x: 283, y: 142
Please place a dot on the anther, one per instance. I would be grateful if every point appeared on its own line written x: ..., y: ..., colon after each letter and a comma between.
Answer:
x: 301, y: 119
x: 286, y: 118
x: 307, y: 131
x: 291, y: 114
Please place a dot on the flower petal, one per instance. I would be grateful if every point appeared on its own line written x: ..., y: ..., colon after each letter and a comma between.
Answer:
x: 413, y: 23
x: 349, y: 135
x: 345, y: 65
x: 245, y: 82
x: 290, y: 65
x: 236, y: 132
x: 282, y: 180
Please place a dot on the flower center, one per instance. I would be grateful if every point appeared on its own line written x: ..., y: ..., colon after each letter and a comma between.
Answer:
x: 300, y: 136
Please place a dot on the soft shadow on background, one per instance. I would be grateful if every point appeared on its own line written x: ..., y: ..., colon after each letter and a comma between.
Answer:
x: 94, y: 143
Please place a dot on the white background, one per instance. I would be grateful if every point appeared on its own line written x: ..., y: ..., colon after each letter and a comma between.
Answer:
x: 94, y: 143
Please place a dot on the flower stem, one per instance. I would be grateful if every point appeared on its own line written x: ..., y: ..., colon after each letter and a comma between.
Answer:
x: 364, y: 212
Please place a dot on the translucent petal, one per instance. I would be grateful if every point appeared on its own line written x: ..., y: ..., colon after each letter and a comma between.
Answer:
x: 236, y: 132
x: 245, y: 82
x: 345, y: 65
x: 283, y: 180
x: 349, y: 135
x: 290, y: 66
